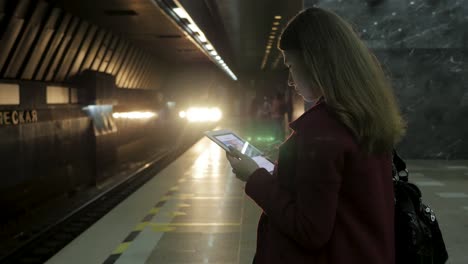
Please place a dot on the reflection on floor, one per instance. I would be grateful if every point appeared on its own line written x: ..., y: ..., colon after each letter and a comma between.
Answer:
x: 195, y: 211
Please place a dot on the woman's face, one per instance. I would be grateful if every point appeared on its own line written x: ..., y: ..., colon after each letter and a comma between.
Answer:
x: 298, y: 77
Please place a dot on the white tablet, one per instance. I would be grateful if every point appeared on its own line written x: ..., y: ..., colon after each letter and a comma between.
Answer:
x: 226, y: 138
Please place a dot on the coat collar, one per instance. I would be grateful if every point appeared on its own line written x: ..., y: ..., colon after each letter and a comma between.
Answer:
x: 302, y: 120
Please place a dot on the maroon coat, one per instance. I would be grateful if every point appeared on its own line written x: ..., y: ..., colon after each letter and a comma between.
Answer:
x: 325, y: 202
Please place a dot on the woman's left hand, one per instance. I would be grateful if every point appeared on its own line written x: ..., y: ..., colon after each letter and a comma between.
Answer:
x: 242, y: 165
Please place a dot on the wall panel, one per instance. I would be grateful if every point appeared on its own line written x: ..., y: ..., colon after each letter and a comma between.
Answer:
x: 140, y: 73
x: 26, y: 40
x: 146, y: 73
x: 151, y: 78
x: 71, y: 51
x: 123, y: 54
x: 12, y: 31
x: 41, y: 45
x: 52, y: 48
x: 82, y: 51
x: 115, y: 56
x: 93, y: 50
x: 101, y: 51
x: 123, y: 71
x: 147, y: 79
x: 133, y: 68
x: 107, y: 56
x: 62, y: 49
x: 130, y: 67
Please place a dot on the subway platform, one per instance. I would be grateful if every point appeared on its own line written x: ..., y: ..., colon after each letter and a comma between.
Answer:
x: 196, y: 211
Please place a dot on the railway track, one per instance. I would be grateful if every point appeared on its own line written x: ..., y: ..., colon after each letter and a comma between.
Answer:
x: 47, y: 242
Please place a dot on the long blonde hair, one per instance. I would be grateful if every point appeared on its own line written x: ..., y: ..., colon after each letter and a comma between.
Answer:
x: 350, y: 77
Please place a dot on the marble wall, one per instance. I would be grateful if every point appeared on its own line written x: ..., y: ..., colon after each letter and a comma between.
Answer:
x: 422, y: 45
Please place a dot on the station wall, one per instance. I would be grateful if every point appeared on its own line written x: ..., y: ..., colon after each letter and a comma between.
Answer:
x: 423, y: 47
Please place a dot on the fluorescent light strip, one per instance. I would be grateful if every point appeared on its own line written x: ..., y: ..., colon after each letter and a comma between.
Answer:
x: 194, y: 28
x: 182, y: 13
x: 202, y: 37
x: 271, y: 38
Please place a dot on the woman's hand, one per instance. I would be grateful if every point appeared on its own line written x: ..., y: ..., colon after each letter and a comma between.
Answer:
x: 242, y: 165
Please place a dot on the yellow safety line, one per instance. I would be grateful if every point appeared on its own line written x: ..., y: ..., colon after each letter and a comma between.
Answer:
x: 121, y: 248
x: 154, y: 210
x: 193, y: 224
x: 140, y: 226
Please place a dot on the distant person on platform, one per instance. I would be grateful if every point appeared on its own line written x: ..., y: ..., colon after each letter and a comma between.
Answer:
x: 330, y: 199
x: 264, y: 112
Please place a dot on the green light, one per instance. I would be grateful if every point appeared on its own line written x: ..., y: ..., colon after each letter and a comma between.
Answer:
x: 249, y: 139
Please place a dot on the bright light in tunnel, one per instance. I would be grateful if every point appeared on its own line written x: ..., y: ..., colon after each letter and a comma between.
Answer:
x: 134, y: 115
x: 209, y: 47
x: 202, y: 114
x: 214, y: 53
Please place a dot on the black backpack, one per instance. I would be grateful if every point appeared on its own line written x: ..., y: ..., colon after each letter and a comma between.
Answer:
x: 417, y: 235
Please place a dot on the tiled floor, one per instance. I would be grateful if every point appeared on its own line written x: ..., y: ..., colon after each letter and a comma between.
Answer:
x: 448, y: 200
x: 195, y: 211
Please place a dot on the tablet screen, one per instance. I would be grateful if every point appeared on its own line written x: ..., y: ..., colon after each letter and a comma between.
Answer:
x: 245, y: 148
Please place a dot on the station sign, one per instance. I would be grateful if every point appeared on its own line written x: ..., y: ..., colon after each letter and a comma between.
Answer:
x: 17, y: 117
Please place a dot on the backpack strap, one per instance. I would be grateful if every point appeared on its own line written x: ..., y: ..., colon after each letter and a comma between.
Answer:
x: 400, y: 167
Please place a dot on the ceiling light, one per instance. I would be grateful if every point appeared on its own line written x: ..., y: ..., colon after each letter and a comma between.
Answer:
x: 194, y: 28
x: 181, y: 12
x: 277, y: 17
x: 202, y: 38
x: 276, y: 23
x: 274, y: 28
x: 185, y: 23
x: 272, y: 37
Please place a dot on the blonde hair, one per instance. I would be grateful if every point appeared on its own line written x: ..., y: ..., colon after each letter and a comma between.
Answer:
x: 350, y: 77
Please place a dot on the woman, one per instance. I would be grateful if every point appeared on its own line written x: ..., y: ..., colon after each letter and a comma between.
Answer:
x: 330, y: 198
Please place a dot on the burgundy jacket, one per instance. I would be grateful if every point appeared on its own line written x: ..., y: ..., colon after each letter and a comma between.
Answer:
x: 325, y: 202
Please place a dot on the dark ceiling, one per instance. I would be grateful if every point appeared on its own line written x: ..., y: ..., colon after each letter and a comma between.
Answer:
x: 239, y: 29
